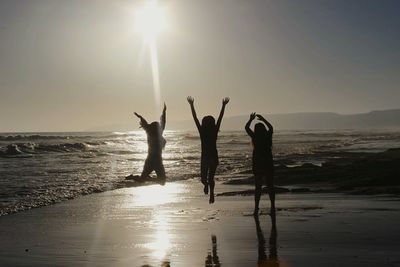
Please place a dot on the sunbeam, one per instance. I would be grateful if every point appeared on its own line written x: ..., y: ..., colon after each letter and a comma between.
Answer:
x: 150, y: 20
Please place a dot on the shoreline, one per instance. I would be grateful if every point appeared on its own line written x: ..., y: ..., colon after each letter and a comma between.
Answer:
x: 392, y: 192
x: 173, y: 225
x: 345, y: 172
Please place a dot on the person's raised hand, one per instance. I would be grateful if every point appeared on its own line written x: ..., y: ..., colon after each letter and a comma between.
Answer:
x: 225, y: 101
x: 165, y: 107
x: 137, y: 115
x: 252, y: 116
x: 190, y: 100
x: 260, y: 117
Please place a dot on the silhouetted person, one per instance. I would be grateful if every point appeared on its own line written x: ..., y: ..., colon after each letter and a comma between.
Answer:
x: 263, y: 260
x: 156, y: 143
x: 263, y: 164
x: 212, y: 260
x: 208, y: 131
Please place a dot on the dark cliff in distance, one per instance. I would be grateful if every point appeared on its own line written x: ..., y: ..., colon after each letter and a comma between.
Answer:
x: 384, y: 119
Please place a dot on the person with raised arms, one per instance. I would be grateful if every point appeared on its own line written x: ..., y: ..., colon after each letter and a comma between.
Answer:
x: 208, y: 131
x: 156, y: 144
x: 263, y: 163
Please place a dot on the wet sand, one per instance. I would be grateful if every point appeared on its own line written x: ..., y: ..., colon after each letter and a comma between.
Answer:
x: 173, y: 225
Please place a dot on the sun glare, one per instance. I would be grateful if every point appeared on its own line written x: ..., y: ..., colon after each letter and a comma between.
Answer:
x: 150, y: 20
x: 144, y: 196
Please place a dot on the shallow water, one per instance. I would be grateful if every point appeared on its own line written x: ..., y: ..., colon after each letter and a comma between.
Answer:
x: 41, y: 169
x: 132, y: 227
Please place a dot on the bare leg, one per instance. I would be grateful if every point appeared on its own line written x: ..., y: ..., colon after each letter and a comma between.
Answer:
x: 211, y: 182
x: 160, y: 171
x: 147, y: 169
x: 203, y: 174
x: 257, y: 194
x: 271, y: 192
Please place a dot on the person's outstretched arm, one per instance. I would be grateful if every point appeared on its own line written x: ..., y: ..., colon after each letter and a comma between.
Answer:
x: 143, y: 122
x: 269, y: 125
x: 221, y: 114
x: 196, y: 120
x: 163, y: 118
x: 247, y: 127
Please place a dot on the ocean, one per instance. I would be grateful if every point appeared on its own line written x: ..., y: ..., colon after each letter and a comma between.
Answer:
x: 38, y: 169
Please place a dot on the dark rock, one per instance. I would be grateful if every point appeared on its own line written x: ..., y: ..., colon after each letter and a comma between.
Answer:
x: 344, y: 171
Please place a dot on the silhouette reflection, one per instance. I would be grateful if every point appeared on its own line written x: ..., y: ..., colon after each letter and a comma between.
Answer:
x: 272, y: 259
x: 212, y: 259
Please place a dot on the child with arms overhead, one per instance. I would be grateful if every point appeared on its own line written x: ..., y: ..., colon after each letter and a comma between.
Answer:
x: 263, y: 164
x: 208, y: 131
x: 156, y: 143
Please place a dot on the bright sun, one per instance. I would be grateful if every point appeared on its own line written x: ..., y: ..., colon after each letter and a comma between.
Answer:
x: 150, y: 20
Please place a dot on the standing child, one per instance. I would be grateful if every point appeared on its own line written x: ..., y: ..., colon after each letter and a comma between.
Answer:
x: 208, y: 131
x: 263, y: 164
x: 156, y: 143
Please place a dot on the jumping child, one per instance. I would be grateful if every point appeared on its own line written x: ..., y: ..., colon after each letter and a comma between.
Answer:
x: 208, y: 131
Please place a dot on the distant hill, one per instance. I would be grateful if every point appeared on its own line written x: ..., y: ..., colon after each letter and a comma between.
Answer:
x: 383, y: 119
x: 389, y: 119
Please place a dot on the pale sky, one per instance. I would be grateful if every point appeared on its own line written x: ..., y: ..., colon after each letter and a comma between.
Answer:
x: 74, y: 65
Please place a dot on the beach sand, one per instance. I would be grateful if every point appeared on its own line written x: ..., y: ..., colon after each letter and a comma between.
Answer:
x: 173, y: 225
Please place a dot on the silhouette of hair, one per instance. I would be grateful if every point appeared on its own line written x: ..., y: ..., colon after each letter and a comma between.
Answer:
x: 154, y: 128
x: 208, y: 122
x: 208, y: 125
x: 260, y: 136
x: 260, y: 130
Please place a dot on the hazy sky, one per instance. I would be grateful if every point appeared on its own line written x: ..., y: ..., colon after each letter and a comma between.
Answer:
x: 73, y: 65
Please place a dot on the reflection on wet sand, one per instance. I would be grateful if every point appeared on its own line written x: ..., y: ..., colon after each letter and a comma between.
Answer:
x: 163, y: 264
x: 272, y: 259
x: 144, y: 196
x: 212, y: 259
x: 161, y: 243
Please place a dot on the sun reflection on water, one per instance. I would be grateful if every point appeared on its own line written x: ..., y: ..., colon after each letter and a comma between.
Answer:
x: 158, y: 233
x: 157, y: 194
x: 161, y: 243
